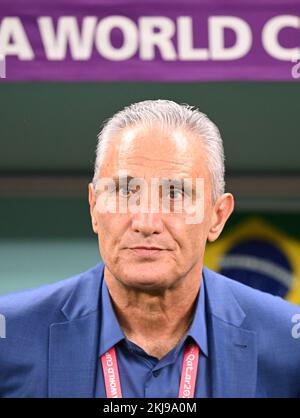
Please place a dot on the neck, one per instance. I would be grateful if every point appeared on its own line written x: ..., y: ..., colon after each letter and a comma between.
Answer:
x: 155, y: 320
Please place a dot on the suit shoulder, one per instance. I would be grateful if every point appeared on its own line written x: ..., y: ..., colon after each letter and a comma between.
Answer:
x: 275, y: 326
x: 41, y: 298
x: 27, y: 318
x: 258, y: 304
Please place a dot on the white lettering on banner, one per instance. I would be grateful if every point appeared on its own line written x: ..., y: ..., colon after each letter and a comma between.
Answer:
x: 216, y: 27
x: 270, y: 35
x: 172, y: 39
x: 186, y: 51
x: 162, y: 39
x: 67, y: 34
x: 129, y: 33
x: 13, y: 39
x: 2, y: 75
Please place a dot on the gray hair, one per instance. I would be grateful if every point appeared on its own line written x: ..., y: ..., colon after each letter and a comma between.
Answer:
x: 171, y: 115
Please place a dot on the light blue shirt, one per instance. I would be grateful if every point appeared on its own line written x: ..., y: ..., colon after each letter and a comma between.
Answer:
x: 145, y: 376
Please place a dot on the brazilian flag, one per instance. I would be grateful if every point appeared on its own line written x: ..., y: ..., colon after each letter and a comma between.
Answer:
x: 259, y: 255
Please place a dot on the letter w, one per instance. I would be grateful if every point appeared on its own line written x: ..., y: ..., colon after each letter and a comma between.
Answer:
x: 67, y: 33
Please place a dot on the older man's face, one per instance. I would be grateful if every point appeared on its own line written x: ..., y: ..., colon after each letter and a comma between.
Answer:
x: 151, y: 153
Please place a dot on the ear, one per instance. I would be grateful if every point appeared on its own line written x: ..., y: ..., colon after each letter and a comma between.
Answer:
x: 92, y: 202
x: 221, y: 211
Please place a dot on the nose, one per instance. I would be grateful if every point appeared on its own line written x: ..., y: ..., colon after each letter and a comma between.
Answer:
x: 147, y: 223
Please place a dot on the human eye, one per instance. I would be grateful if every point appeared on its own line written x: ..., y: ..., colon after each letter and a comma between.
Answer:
x: 126, y: 191
x: 175, y: 193
x: 123, y: 191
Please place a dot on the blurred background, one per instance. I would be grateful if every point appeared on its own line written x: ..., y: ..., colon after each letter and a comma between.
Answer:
x: 51, y: 114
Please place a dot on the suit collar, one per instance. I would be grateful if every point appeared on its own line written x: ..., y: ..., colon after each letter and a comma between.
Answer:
x: 73, y: 344
x: 85, y: 297
x: 221, y: 300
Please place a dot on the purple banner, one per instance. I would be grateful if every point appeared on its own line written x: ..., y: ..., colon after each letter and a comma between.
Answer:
x: 89, y: 40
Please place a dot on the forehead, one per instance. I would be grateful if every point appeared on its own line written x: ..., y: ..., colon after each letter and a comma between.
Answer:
x: 146, y: 152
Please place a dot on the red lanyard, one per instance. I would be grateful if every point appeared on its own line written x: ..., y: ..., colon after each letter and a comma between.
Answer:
x: 187, y: 381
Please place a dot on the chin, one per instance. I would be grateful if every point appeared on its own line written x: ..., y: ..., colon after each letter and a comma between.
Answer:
x: 145, y: 278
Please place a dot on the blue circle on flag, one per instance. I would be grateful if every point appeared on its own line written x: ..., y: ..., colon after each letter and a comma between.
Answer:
x: 259, y: 264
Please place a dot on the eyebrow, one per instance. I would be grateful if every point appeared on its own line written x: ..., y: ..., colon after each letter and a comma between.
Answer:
x: 122, y: 178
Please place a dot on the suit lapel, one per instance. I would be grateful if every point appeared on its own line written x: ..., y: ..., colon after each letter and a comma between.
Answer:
x: 233, y: 349
x: 234, y: 361
x: 73, y: 358
x: 74, y: 344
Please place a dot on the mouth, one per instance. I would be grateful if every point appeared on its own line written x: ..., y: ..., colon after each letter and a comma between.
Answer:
x: 146, y: 251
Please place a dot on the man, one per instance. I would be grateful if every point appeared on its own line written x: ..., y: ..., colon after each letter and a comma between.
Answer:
x: 152, y: 321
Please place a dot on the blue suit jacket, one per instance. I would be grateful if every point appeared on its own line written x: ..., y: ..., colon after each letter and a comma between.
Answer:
x: 52, y: 340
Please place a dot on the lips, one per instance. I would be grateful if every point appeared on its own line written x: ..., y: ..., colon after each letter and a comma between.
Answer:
x: 146, y: 251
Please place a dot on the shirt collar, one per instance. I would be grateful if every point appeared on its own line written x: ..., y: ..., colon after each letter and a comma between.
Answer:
x: 111, y: 332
